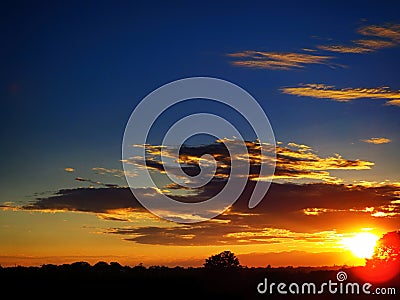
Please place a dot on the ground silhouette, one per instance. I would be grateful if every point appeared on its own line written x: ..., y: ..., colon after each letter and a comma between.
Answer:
x: 80, y: 279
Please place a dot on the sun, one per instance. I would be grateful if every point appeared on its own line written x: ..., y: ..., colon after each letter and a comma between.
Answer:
x: 362, y: 245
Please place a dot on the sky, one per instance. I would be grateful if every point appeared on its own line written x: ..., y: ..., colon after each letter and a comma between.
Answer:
x: 325, y: 74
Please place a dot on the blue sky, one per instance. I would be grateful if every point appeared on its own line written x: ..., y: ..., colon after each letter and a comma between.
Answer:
x: 72, y: 73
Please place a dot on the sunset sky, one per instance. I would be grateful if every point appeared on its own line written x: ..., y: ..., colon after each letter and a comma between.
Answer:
x: 326, y: 75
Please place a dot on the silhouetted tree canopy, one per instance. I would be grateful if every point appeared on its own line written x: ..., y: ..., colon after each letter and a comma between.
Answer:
x: 80, y: 265
x: 387, y: 251
x: 115, y: 265
x: 101, y: 265
x: 223, y: 260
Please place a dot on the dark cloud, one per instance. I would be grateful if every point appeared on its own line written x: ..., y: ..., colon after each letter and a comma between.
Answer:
x: 96, y: 182
x: 96, y: 200
x: 311, y: 212
x: 289, y: 211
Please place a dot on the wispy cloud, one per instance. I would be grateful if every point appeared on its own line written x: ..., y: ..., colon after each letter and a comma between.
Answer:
x: 395, y: 102
x: 389, y: 36
x: 276, y: 60
x: 323, y: 91
x: 377, y: 140
x: 214, y: 233
x: 69, y: 169
x: 95, y: 182
x: 359, y: 46
x: 375, y: 44
x: 113, y: 172
x: 388, y: 31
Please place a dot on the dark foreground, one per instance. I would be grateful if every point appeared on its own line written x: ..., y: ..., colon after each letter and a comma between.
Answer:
x: 103, y: 280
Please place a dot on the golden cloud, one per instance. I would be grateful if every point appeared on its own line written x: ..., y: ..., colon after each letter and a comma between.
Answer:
x: 389, y: 31
x: 323, y: 91
x: 361, y: 46
x: 293, y: 161
x: 384, y: 211
x: 69, y: 169
x: 389, y: 36
x: 393, y: 102
x: 276, y: 60
x: 377, y: 140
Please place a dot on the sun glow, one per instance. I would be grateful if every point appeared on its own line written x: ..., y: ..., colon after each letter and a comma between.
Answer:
x: 362, y: 245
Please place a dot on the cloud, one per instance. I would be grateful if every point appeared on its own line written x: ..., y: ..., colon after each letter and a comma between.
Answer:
x: 375, y: 37
x: 377, y: 140
x: 69, y: 169
x: 289, y: 214
x: 112, y: 202
x: 293, y: 161
x: 323, y: 91
x: 213, y: 233
x: 299, y: 161
x: 389, y: 36
x: 388, y: 31
x: 96, y: 182
x: 375, y: 44
x: 393, y: 102
x: 359, y: 46
x: 113, y: 172
x: 276, y: 60
x: 95, y: 200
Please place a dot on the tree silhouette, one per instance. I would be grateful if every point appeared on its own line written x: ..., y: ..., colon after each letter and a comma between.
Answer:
x: 101, y: 266
x: 223, y: 260
x: 385, y: 263
x: 387, y: 251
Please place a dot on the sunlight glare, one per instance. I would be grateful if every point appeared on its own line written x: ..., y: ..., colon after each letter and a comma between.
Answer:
x: 362, y: 245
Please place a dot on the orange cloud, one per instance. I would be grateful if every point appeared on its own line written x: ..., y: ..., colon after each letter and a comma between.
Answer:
x: 361, y: 46
x: 323, y: 91
x: 389, y: 31
x: 377, y: 140
x: 389, y: 37
x: 276, y: 60
x: 384, y: 211
x: 299, y: 215
x: 393, y: 102
x: 69, y: 169
x: 375, y: 44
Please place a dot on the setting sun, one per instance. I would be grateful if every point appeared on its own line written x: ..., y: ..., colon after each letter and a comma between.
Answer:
x: 362, y: 245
